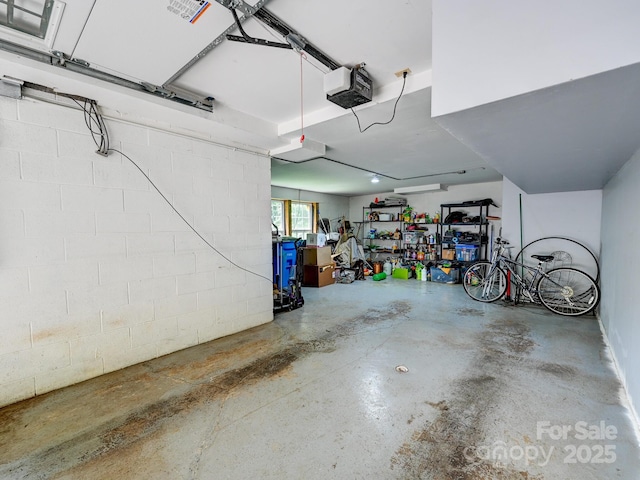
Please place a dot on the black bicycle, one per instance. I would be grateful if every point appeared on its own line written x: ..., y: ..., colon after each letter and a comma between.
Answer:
x: 564, y: 290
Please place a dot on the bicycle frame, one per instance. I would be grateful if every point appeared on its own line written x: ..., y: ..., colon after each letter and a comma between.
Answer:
x: 564, y: 290
x: 528, y: 287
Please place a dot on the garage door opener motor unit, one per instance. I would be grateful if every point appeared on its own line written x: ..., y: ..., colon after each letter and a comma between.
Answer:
x: 347, y: 87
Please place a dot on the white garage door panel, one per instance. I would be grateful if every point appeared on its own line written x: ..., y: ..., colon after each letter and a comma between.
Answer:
x: 149, y: 40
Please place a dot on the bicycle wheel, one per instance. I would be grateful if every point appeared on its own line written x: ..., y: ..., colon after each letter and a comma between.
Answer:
x: 568, y: 291
x: 484, y: 284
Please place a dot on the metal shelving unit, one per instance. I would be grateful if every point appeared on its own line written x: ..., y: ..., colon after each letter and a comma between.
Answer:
x: 385, y: 244
x: 475, y: 233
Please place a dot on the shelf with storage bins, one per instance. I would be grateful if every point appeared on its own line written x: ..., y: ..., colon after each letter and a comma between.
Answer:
x: 420, y: 241
x: 464, y: 230
x: 382, y: 231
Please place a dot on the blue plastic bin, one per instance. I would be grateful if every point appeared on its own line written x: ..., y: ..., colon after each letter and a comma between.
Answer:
x: 286, y: 267
x: 466, y: 253
x: 439, y: 276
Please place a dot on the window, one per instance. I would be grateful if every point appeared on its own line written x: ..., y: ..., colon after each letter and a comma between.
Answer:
x: 31, y: 17
x: 33, y: 22
x: 293, y: 218
x: 277, y: 215
x: 301, y: 219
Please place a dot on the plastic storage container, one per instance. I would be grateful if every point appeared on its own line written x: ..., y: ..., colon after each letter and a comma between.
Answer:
x: 287, y: 262
x: 448, y: 275
x: 466, y: 253
x: 402, y: 273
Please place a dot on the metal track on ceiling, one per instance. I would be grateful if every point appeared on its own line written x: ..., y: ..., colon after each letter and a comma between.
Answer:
x: 269, y: 19
x: 167, y: 90
x: 59, y: 59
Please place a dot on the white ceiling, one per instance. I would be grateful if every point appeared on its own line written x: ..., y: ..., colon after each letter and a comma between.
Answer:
x: 268, y: 96
x: 143, y: 41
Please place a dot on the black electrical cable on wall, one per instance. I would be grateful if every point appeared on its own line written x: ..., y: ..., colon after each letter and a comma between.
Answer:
x: 92, y: 118
x: 404, y: 82
x: 95, y: 124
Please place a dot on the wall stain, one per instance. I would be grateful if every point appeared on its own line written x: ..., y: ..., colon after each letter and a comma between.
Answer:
x: 205, y: 383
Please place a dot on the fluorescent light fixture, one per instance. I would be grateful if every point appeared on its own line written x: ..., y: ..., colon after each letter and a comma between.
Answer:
x: 375, y: 179
x: 434, y: 187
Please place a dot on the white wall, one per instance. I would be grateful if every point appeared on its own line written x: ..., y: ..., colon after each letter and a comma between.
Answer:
x: 619, y: 308
x: 330, y: 206
x: 96, y: 272
x: 430, y: 202
x: 488, y: 51
x: 574, y: 215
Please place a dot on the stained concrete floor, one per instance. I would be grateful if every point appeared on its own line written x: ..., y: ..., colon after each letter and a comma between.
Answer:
x: 491, y: 392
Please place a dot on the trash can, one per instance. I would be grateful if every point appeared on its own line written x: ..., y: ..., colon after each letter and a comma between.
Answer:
x: 284, y: 263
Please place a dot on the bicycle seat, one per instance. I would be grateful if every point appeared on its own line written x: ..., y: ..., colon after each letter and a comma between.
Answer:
x: 543, y: 258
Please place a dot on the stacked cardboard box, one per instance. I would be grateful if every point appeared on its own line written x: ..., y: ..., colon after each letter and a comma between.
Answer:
x: 318, y: 269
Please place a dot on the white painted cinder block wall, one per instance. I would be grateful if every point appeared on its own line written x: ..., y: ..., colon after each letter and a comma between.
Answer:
x: 96, y: 272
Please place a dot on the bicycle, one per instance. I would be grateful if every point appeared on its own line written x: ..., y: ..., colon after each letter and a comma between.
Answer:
x: 566, y: 291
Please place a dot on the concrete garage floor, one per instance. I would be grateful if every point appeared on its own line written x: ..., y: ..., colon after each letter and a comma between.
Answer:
x: 492, y: 392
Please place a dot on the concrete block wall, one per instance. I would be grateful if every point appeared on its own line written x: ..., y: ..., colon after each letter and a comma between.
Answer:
x: 96, y: 271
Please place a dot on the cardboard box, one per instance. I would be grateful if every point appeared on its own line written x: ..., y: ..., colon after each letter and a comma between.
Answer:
x: 318, y: 276
x: 448, y: 254
x: 316, y: 256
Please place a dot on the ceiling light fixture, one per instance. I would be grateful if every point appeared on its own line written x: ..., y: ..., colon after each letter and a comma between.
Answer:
x: 375, y: 179
x: 434, y: 187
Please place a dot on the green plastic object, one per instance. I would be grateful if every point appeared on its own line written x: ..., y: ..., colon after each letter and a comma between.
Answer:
x: 379, y: 276
x: 402, y: 273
